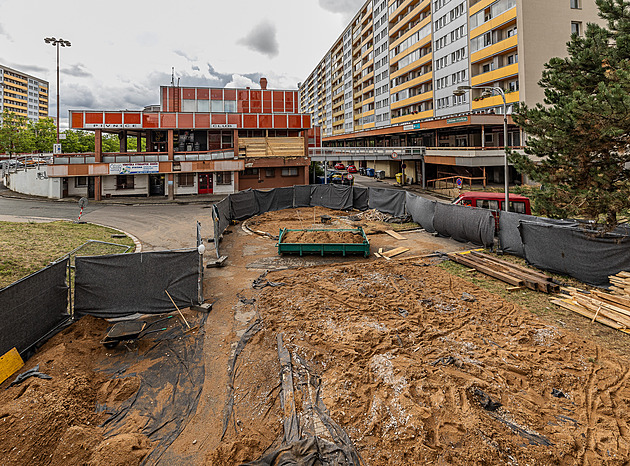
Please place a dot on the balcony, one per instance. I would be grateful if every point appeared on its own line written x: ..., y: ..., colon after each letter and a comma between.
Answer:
x: 495, y: 75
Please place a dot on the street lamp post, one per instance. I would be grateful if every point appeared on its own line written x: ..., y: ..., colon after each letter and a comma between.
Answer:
x: 56, y: 43
x: 461, y: 90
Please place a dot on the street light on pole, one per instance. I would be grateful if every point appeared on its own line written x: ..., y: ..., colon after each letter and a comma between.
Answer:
x: 56, y: 43
x: 461, y: 90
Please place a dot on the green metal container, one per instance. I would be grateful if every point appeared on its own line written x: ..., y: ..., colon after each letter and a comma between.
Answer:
x: 325, y: 248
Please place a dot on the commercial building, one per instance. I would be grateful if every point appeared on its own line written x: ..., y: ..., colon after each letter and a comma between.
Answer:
x: 23, y: 94
x: 199, y: 140
x: 388, y: 81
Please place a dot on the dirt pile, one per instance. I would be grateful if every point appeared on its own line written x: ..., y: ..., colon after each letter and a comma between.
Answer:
x: 419, y: 366
x: 54, y: 421
x: 322, y: 237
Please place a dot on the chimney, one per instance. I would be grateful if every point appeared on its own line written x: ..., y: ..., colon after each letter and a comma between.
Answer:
x: 263, y: 83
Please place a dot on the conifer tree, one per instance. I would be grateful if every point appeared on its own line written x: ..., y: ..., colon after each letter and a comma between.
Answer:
x: 579, y: 138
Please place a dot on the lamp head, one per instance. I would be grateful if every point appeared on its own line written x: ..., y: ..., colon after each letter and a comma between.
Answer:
x: 50, y: 40
x: 486, y: 93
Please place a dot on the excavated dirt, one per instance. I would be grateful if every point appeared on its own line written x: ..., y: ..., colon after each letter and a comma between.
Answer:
x: 319, y: 237
x: 420, y: 367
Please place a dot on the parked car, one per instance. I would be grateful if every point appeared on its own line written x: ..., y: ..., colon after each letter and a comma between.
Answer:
x: 352, y: 169
x: 339, y: 166
x: 495, y: 201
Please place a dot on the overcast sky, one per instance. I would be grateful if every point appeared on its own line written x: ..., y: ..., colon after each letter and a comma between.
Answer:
x: 122, y: 51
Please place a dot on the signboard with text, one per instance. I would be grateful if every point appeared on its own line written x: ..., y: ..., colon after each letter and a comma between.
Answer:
x: 134, y: 168
x: 112, y: 125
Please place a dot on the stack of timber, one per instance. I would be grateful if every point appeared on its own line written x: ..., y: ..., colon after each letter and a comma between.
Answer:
x: 514, y: 274
x: 271, y: 147
x: 620, y: 283
x: 612, y: 310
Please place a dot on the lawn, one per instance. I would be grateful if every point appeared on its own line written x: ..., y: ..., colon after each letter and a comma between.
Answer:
x: 27, y: 247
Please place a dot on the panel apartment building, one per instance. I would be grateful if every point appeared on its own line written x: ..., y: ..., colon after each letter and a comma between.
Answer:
x: 388, y: 80
x: 23, y: 94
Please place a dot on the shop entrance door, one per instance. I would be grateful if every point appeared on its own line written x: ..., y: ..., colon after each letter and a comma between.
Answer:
x: 205, y: 183
x: 156, y: 185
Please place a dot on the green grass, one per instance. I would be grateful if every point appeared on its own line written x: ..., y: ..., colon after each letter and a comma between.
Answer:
x: 27, y: 247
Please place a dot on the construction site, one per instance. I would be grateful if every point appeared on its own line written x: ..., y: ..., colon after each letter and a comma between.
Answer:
x: 336, y: 326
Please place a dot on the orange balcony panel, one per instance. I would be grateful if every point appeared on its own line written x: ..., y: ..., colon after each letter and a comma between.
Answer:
x: 113, y: 118
x: 150, y: 120
x: 280, y: 121
x: 243, y: 106
x: 229, y: 94
x: 189, y: 94
x: 133, y: 118
x: 265, y: 121
x: 295, y: 121
x: 219, y: 119
x: 168, y: 120
x: 203, y: 94
x: 267, y: 96
x: 217, y: 94
x: 93, y: 118
x: 255, y: 106
x: 235, y: 119
x: 250, y: 121
x: 77, y: 119
x: 306, y: 121
x: 480, y: 6
x: 494, y: 23
x: 495, y: 75
x: 202, y: 120
x: 267, y: 107
x: 495, y: 101
x: 494, y: 49
x: 185, y: 120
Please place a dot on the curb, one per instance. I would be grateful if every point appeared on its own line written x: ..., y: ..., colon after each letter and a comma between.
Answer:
x: 136, y: 241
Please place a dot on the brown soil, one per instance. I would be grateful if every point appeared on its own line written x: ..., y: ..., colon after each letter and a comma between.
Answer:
x: 322, y: 237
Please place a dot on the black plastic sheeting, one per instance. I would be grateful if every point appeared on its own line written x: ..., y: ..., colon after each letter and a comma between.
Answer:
x: 243, y: 205
x: 33, y: 306
x: 302, y: 196
x: 360, y: 198
x: 388, y: 201
x: 171, y: 370
x: 465, y: 224
x: 224, y: 214
x: 123, y: 284
x: 510, y: 236
x: 422, y: 211
x: 337, y: 197
x: 275, y: 199
x: 576, y: 252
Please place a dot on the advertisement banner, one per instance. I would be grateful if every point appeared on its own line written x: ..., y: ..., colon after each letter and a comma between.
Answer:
x: 134, y: 168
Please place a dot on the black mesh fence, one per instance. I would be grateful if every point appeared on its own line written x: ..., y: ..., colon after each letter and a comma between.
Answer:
x: 389, y: 201
x: 302, y: 196
x: 243, y: 205
x: 32, y: 307
x: 360, y: 198
x: 274, y: 199
x: 465, y: 223
x: 332, y: 196
x: 422, y: 211
x: 123, y: 284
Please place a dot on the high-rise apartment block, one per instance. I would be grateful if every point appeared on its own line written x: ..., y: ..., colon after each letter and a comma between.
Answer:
x: 390, y: 76
x: 23, y: 94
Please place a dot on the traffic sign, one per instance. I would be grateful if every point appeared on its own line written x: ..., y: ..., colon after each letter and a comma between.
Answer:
x: 459, y: 182
x: 394, y: 155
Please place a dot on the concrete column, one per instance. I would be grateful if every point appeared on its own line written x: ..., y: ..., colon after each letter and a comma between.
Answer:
x: 123, y: 141
x: 236, y: 181
x: 98, y: 188
x: 170, y: 186
x: 98, y: 145
x: 483, y: 136
x: 170, y: 144
x: 139, y: 142
x: 235, y: 142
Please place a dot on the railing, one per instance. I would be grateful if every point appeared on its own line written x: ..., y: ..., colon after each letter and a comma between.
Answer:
x: 139, y: 157
x: 346, y: 153
x: 450, y: 182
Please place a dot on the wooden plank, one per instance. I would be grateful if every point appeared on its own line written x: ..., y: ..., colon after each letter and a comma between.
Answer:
x: 393, y: 234
x: 394, y: 252
x: 567, y: 304
x: 10, y: 362
x: 488, y: 271
x: 623, y: 274
x: 619, y: 300
x: 512, y: 266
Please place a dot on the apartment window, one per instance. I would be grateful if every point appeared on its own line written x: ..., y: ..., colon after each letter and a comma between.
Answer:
x: 80, y: 182
x: 290, y: 171
x: 575, y: 4
x: 124, y: 181
x: 270, y: 172
x: 224, y: 177
x: 186, y: 180
x: 576, y: 28
x: 250, y: 172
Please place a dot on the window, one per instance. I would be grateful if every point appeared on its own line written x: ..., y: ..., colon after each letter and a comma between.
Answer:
x: 250, y: 172
x: 291, y: 171
x: 216, y: 106
x: 575, y: 5
x: 80, y: 182
x: 270, y: 172
x: 224, y: 177
x: 124, y: 181
x: 186, y: 180
x: 576, y: 28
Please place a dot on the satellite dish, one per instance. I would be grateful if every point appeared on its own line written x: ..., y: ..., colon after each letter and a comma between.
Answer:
x: 83, y: 202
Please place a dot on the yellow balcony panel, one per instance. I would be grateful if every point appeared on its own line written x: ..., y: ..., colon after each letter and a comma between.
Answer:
x: 413, y: 82
x: 495, y: 75
x: 367, y: 26
x: 401, y: 24
x: 495, y: 101
x: 483, y: 4
x: 412, y: 66
x: 368, y: 113
x: 358, y: 127
x: 414, y: 47
x: 494, y: 49
x: 412, y: 117
x: 367, y: 64
x: 410, y: 32
x: 368, y: 101
x: 413, y: 100
x: 367, y: 89
x: 494, y: 23
x: 337, y: 131
x: 338, y: 113
x: 397, y: 11
x: 357, y: 105
x: 369, y: 125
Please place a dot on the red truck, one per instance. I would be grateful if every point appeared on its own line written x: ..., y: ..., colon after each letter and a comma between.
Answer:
x: 494, y: 201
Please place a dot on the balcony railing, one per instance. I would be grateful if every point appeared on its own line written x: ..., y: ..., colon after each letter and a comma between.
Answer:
x: 140, y: 157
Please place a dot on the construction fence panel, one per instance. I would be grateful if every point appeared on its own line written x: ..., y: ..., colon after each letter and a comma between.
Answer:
x: 274, y: 199
x: 465, y: 224
x: 332, y: 196
x: 510, y: 235
x: 302, y: 195
x: 360, y: 198
x: 243, y: 205
x: 33, y: 306
x: 422, y: 211
x: 574, y: 251
x: 123, y: 284
x: 225, y: 217
x: 388, y: 201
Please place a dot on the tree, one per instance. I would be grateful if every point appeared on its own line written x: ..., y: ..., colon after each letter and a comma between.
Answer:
x: 15, y: 137
x: 77, y: 142
x: 44, y: 134
x: 582, y: 133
